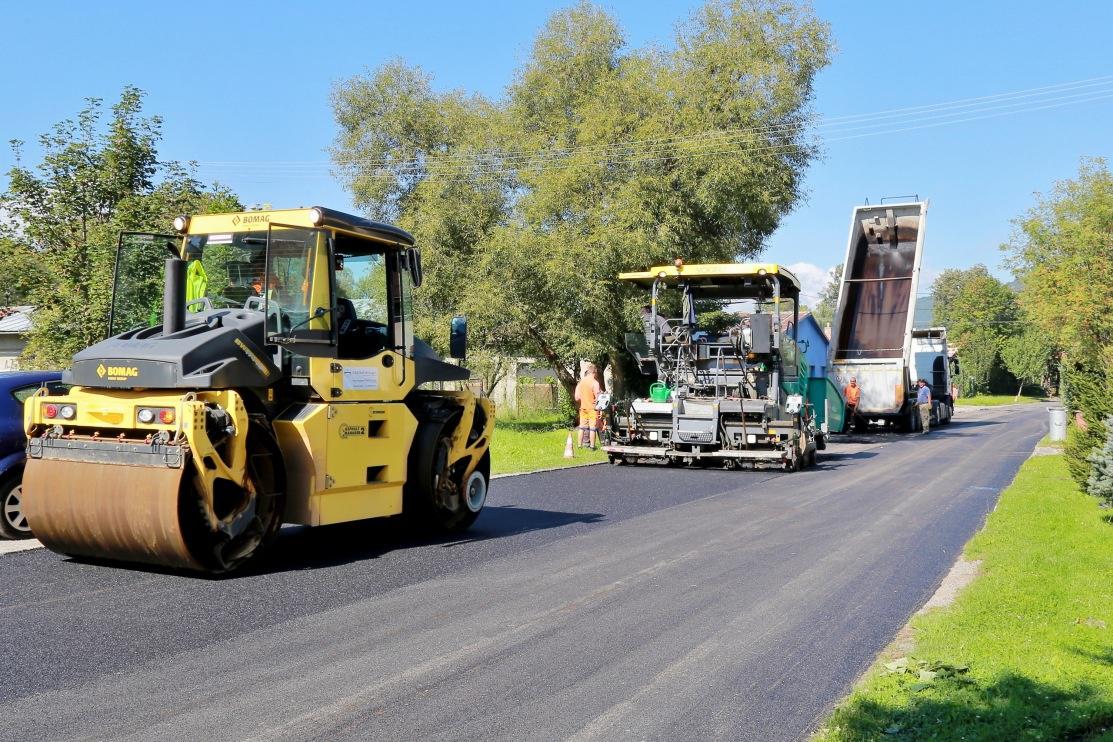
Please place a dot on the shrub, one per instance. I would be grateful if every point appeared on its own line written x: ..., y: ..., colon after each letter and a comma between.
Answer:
x: 1100, y: 483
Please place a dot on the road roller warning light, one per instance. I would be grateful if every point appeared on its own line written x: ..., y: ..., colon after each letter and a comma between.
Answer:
x: 267, y: 373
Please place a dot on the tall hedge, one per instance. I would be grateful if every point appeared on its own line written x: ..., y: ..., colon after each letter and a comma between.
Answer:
x: 1088, y: 389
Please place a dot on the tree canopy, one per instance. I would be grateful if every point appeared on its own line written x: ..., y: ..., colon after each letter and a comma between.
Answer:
x: 599, y: 158
x: 1062, y: 252
x: 824, y: 311
x: 980, y: 313
x: 96, y: 179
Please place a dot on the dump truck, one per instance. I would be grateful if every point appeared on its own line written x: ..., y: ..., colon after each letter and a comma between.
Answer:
x: 931, y: 361
x: 731, y: 388
x: 871, y: 337
x: 266, y: 372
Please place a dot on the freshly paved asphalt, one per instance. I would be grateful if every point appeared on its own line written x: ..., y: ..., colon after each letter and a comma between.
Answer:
x: 596, y: 603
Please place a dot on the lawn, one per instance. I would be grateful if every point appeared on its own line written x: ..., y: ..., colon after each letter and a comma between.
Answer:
x: 995, y: 400
x: 1026, y: 651
x: 527, y: 444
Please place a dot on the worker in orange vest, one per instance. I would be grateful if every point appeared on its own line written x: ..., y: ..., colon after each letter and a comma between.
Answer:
x: 853, y: 394
x: 587, y: 392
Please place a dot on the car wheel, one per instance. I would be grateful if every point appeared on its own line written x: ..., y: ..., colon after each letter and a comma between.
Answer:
x: 13, y: 523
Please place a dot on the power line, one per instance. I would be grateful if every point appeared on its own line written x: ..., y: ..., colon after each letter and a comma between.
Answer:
x: 704, y: 144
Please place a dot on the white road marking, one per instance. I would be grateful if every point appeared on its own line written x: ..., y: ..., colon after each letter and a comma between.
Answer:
x: 10, y: 547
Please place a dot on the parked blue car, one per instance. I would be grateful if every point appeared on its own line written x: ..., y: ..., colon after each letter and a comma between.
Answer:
x: 15, y: 387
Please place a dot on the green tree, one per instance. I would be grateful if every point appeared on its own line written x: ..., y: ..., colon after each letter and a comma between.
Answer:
x: 96, y: 178
x: 1062, y: 252
x: 980, y: 313
x: 1027, y: 355
x: 824, y: 312
x: 21, y: 272
x: 599, y: 158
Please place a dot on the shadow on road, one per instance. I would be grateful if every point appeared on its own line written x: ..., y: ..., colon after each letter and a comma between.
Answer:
x: 827, y: 460
x: 301, y: 548
x: 969, y: 424
x: 328, y: 546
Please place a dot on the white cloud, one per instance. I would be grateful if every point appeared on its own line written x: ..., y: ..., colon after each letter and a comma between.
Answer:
x: 813, y: 280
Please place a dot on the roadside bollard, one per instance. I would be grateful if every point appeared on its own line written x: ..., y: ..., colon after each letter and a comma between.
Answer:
x: 1058, y: 423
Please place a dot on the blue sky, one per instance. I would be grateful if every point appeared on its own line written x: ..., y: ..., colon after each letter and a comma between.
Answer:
x: 249, y: 83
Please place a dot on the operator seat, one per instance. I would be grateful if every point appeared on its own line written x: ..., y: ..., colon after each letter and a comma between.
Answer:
x: 356, y: 338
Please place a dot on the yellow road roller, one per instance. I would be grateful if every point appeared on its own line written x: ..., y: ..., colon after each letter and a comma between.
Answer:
x: 261, y: 368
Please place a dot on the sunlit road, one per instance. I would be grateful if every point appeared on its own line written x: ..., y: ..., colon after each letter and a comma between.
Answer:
x: 596, y: 603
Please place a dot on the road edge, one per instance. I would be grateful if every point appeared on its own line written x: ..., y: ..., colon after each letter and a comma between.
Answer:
x: 961, y: 575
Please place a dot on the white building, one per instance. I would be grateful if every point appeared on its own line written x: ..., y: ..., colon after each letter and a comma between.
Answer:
x: 15, y: 322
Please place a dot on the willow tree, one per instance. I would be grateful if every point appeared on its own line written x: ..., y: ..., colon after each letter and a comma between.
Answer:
x: 598, y: 158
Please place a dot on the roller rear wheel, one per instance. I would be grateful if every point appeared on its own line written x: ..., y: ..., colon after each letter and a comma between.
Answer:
x: 440, y: 496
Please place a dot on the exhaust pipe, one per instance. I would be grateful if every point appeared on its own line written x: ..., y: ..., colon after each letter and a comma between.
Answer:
x: 173, y: 297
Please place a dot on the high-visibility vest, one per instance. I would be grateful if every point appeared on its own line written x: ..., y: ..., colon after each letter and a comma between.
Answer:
x: 197, y: 281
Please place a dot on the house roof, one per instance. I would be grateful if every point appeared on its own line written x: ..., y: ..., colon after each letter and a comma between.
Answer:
x: 805, y: 317
x: 15, y: 320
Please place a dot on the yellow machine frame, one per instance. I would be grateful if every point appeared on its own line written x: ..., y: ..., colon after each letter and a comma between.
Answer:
x: 346, y: 455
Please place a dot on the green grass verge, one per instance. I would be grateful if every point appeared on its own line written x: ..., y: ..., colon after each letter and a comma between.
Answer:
x: 1046, y: 442
x: 994, y: 400
x: 528, y: 444
x: 1026, y: 651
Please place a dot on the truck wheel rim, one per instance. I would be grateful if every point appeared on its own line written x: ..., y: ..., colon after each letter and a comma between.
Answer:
x: 475, y: 492
x: 13, y: 510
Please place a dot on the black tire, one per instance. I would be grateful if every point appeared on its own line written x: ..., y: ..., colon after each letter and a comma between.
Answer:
x: 435, y: 496
x: 219, y: 553
x: 13, y: 524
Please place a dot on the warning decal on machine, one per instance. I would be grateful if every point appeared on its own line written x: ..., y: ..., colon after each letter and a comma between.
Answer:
x: 361, y: 378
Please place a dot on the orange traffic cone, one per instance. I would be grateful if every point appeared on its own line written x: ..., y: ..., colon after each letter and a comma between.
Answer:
x: 569, y: 451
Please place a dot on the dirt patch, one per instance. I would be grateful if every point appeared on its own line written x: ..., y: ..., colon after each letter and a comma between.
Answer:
x: 962, y: 574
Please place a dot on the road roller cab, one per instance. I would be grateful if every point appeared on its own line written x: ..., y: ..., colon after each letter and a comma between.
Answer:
x: 261, y: 368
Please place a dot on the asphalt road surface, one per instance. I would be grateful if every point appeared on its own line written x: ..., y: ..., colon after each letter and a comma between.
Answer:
x: 595, y: 603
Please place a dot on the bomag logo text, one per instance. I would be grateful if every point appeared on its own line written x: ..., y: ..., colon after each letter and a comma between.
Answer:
x: 117, y: 372
x: 251, y: 219
x: 351, y: 431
